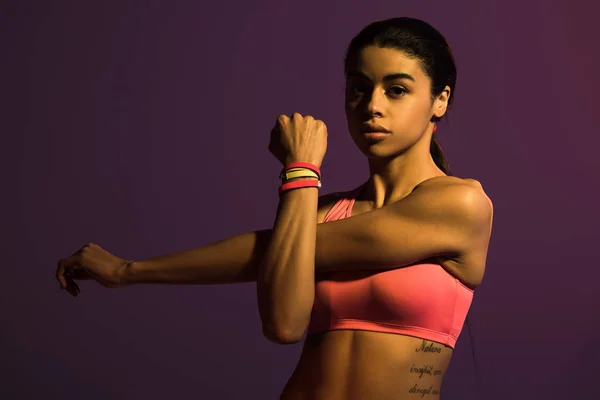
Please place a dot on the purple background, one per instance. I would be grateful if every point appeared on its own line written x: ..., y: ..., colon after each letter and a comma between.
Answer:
x: 143, y: 126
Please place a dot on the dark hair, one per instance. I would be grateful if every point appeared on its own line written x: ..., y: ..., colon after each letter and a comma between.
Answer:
x: 417, y: 39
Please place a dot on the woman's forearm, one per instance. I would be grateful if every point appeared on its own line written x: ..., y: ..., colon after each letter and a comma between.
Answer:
x: 286, y: 275
x: 231, y: 260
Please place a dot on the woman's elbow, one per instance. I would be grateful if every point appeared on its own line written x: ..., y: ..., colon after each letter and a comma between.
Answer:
x: 283, y: 335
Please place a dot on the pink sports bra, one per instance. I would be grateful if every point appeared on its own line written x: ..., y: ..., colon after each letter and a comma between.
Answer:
x: 421, y: 300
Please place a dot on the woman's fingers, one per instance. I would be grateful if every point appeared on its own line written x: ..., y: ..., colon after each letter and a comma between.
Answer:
x: 60, y: 272
x: 66, y: 274
x: 72, y: 287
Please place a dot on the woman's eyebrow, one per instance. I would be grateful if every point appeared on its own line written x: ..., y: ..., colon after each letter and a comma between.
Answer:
x: 399, y: 75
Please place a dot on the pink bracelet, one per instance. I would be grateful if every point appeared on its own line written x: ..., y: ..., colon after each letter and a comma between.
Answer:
x: 299, y: 184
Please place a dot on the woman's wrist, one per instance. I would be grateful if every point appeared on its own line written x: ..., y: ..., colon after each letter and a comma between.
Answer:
x: 126, y: 277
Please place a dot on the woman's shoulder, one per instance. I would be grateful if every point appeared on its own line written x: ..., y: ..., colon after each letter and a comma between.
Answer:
x: 449, y: 180
x: 451, y: 188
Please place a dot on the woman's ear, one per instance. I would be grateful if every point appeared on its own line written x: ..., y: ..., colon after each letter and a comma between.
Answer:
x: 440, y: 104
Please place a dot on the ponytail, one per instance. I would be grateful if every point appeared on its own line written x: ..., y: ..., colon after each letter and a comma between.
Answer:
x: 438, y: 156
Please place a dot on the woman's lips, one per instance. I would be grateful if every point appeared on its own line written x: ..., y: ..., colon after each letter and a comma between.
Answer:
x: 375, y: 135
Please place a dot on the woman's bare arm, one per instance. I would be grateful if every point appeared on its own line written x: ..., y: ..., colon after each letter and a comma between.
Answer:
x: 286, y: 276
x: 231, y: 260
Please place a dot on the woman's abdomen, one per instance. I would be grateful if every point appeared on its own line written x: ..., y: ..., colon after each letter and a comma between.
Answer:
x: 349, y: 365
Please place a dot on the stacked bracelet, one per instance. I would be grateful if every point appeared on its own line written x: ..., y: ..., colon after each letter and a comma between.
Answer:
x: 298, y: 173
x: 299, y: 164
x: 299, y: 170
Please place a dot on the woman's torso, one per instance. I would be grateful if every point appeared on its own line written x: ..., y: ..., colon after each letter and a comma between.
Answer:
x: 357, y: 364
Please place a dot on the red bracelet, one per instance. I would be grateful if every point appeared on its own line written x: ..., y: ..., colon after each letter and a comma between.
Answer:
x: 299, y: 184
x: 300, y: 164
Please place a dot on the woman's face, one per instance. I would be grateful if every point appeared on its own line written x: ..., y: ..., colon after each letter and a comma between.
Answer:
x: 387, y: 88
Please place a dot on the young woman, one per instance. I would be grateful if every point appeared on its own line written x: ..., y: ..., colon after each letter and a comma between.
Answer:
x: 381, y: 277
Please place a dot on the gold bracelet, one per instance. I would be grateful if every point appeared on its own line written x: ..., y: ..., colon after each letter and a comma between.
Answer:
x: 299, y: 173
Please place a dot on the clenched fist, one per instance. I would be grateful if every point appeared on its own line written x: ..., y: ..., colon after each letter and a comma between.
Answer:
x: 299, y: 139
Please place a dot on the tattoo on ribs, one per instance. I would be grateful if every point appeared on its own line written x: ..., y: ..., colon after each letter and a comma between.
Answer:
x: 425, y: 370
x: 424, y: 391
x: 428, y: 348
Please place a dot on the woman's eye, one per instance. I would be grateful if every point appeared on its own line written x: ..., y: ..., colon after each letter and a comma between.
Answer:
x: 398, y: 90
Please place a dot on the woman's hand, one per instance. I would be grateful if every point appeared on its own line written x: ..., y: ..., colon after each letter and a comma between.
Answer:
x: 299, y: 139
x: 91, y: 262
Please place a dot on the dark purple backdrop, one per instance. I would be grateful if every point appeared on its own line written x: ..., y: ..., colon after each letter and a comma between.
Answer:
x: 143, y: 126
